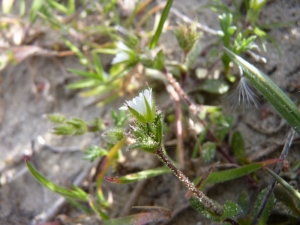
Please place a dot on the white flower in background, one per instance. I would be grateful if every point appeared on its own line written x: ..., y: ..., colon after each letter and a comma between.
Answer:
x: 142, y: 107
x: 124, y: 53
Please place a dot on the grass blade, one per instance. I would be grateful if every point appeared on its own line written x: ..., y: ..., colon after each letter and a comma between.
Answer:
x: 165, y: 13
x: 287, y: 187
x: 76, y: 194
x: 281, y: 102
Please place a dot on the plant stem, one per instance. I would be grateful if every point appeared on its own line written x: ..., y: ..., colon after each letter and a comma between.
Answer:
x: 277, y: 170
x: 207, y: 203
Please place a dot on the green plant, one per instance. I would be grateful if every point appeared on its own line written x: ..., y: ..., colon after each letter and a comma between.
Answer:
x: 149, y: 123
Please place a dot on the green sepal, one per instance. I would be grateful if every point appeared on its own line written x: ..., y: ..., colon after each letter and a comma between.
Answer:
x: 159, y: 127
x: 149, y: 146
x: 150, y: 112
x: 139, y: 130
x: 137, y: 115
x: 114, y: 135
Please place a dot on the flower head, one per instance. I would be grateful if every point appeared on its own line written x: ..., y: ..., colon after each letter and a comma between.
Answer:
x: 142, y: 107
x: 124, y: 53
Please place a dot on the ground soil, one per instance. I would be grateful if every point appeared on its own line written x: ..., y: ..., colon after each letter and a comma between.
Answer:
x: 22, y: 122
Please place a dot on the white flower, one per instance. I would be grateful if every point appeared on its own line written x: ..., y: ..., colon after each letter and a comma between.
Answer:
x: 142, y: 107
x: 123, y: 53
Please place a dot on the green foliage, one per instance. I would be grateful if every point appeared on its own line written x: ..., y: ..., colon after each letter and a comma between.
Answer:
x: 154, y: 41
x: 286, y: 186
x: 221, y: 124
x: 113, y: 135
x: 119, y: 118
x: 244, y: 201
x: 198, y: 206
x: 128, y: 45
x: 71, y: 127
x: 286, y: 202
x: 281, y: 102
x: 187, y: 37
x: 74, y: 126
x: 231, y: 210
x: 56, y: 118
x: 208, y: 151
x: 237, y: 144
x: 231, y: 174
x: 267, y: 210
x: 134, y: 177
x: 75, y: 194
x: 94, y: 152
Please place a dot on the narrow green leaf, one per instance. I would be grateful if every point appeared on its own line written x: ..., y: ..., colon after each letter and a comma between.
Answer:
x: 76, y: 194
x: 268, y: 208
x: 281, y: 102
x: 76, y: 50
x: 98, y: 66
x: 159, y: 61
x: 22, y: 9
x: 237, y: 144
x: 154, y: 41
x: 288, y: 204
x: 83, y: 73
x: 86, y: 83
x: 35, y: 8
x: 222, y: 176
x: 58, y: 6
x: 134, y: 177
x: 286, y: 186
x: 71, y: 7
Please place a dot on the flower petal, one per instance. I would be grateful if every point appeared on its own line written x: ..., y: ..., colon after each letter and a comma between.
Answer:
x: 121, y: 46
x: 125, y: 107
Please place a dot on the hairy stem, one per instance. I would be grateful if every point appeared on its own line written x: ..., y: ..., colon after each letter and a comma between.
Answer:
x: 208, y: 203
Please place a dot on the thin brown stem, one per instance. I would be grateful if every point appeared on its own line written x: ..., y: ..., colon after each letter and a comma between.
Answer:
x: 183, y: 95
x: 207, y: 203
